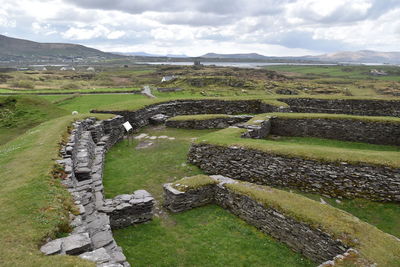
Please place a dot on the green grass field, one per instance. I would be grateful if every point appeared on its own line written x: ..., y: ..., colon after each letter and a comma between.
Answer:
x: 85, y: 103
x: 207, y: 236
x: 128, y: 169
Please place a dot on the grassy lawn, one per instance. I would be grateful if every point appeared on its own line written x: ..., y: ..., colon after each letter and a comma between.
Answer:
x: 128, y: 169
x: 206, y: 236
x: 58, y: 91
x: 85, y: 103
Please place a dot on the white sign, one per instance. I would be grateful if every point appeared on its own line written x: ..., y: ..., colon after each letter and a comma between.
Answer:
x: 127, y: 126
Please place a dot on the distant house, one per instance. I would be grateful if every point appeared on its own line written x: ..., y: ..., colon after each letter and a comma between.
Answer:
x: 71, y: 68
x: 376, y: 72
x: 39, y: 68
x: 168, y: 78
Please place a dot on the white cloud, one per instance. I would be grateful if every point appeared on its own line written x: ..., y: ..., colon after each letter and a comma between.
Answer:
x: 115, y: 35
x: 270, y: 27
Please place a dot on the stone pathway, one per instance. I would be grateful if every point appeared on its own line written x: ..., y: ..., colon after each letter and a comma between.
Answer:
x: 147, y: 92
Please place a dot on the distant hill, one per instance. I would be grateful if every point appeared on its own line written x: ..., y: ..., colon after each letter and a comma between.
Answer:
x: 363, y: 56
x: 13, y: 49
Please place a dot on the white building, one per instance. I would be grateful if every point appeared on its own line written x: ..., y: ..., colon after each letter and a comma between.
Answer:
x: 168, y: 78
x: 68, y: 68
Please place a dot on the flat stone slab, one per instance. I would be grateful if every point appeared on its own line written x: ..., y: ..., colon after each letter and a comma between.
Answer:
x: 99, y: 256
x: 102, y: 238
x: 77, y: 244
x: 53, y: 247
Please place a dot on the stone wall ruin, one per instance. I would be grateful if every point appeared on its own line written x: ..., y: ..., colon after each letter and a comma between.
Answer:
x: 336, y: 179
x: 83, y: 162
x: 301, y: 237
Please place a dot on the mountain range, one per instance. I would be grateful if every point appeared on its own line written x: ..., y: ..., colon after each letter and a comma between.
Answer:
x: 13, y: 49
x: 363, y: 56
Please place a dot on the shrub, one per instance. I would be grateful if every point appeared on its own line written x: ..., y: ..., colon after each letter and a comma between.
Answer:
x: 70, y: 86
x: 23, y: 84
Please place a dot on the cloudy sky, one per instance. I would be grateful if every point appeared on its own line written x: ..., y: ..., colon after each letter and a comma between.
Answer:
x: 195, y: 27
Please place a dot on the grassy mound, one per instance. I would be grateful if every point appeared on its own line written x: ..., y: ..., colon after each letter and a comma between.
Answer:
x: 33, y: 205
x: 20, y: 113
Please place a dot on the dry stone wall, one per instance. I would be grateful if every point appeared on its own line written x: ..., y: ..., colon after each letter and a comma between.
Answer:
x: 344, y: 106
x: 83, y: 162
x: 381, y: 133
x: 301, y: 237
x: 142, y: 116
x: 214, y: 123
x: 328, y: 178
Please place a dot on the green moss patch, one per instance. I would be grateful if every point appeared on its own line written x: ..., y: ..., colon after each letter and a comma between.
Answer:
x: 194, y: 182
